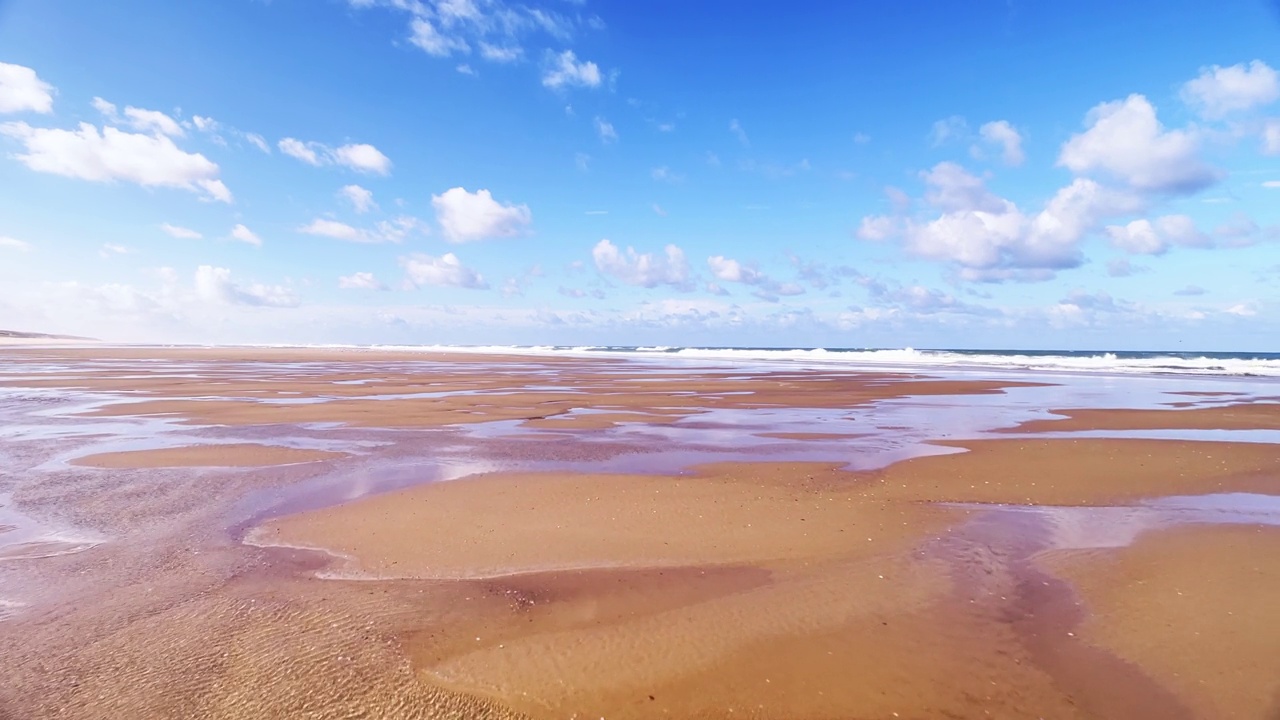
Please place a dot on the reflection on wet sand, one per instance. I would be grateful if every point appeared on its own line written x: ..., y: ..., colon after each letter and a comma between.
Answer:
x: 519, y: 537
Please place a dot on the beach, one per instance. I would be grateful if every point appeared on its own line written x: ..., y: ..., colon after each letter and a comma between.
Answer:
x: 330, y: 532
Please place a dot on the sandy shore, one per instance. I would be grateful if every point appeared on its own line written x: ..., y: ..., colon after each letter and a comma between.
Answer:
x: 758, y: 587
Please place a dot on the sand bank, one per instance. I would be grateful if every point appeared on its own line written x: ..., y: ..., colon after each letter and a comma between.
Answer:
x: 820, y: 592
x: 220, y: 455
x: 1236, y: 416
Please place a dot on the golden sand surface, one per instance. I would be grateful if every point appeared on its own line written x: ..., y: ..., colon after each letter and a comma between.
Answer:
x: 759, y: 589
x: 221, y: 455
x: 1194, y: 607
x: 851, y: 618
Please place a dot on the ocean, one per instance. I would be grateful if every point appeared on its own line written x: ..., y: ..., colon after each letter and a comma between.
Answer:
x: 1068, y: 361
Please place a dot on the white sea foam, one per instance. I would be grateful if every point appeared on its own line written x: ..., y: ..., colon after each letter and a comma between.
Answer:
x: 1238, y: 364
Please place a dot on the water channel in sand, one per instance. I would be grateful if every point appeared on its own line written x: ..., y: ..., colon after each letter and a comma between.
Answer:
x: 176, y: 532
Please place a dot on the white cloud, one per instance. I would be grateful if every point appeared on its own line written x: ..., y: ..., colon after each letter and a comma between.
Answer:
x: 214, y: 285
x: 465, y: 217
x: 735, y: 127
x: 109, y: 249
x: 443, y: 271
x: 605, y: 130
x: 658, y: 210
x: 360, y: 198
x: 392, y: 231
x: 179, y: 232
x: 152, y: 121
x: 1272, y: 184
x: 258, y: 141
x: 204, y: 124
x: 582, y: 161
x: 564, y: 70
x: 107, y: 109
x: 878, y: 227
x: 149, y: 121
x: 644, y: 270
x: 308, y: 153
x: 87, y: 154
x: 948, y: 129
x: 1271, y: 137
x: 989, y: 237
x: 1004, y: 135
x: 861, y: 138
x: 245, y: 235
x: 500, y: 53
x: 1219, y: 91
x: 1126, y: 140
x: 731, y: 270
x: 360, y: 281
x: 465, y: 69
x: 21, y: 90
x: 363, y: 158
x: 427, y: 37
x: 9, y: 243
x: 359, y: 157
x: 1143, y: 237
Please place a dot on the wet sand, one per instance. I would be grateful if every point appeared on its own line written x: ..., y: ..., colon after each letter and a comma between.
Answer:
x: 229, y: 455
x: 502, y: 537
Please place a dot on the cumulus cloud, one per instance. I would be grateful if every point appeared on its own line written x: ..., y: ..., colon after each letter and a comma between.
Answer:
x: 392, y: 231
x: 605, y: 130
x: 360, y: 281
x: 148, y: 121
x: 731, y: 270
x: 643, y: 269
x: 466, y: 217
x: 308, y: 153
x: 564, y: 70
x: 359, y: 156
x: 1144, y: 237
x: 214, y: 285
x: 1125, y: 140
x: 21, y: 90
x: 361, y: 199
x: 112, y: 154
x: 1219, y: 91
x: 444, y: 271
x: 363, y: 158
x: 245, y: 235
x: 9, y: 243
x: 989, y: 238
x: 1007, y: 138
x: 176, y: 231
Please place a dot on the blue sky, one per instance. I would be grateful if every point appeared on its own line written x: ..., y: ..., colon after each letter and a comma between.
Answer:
x: 931, y: 174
